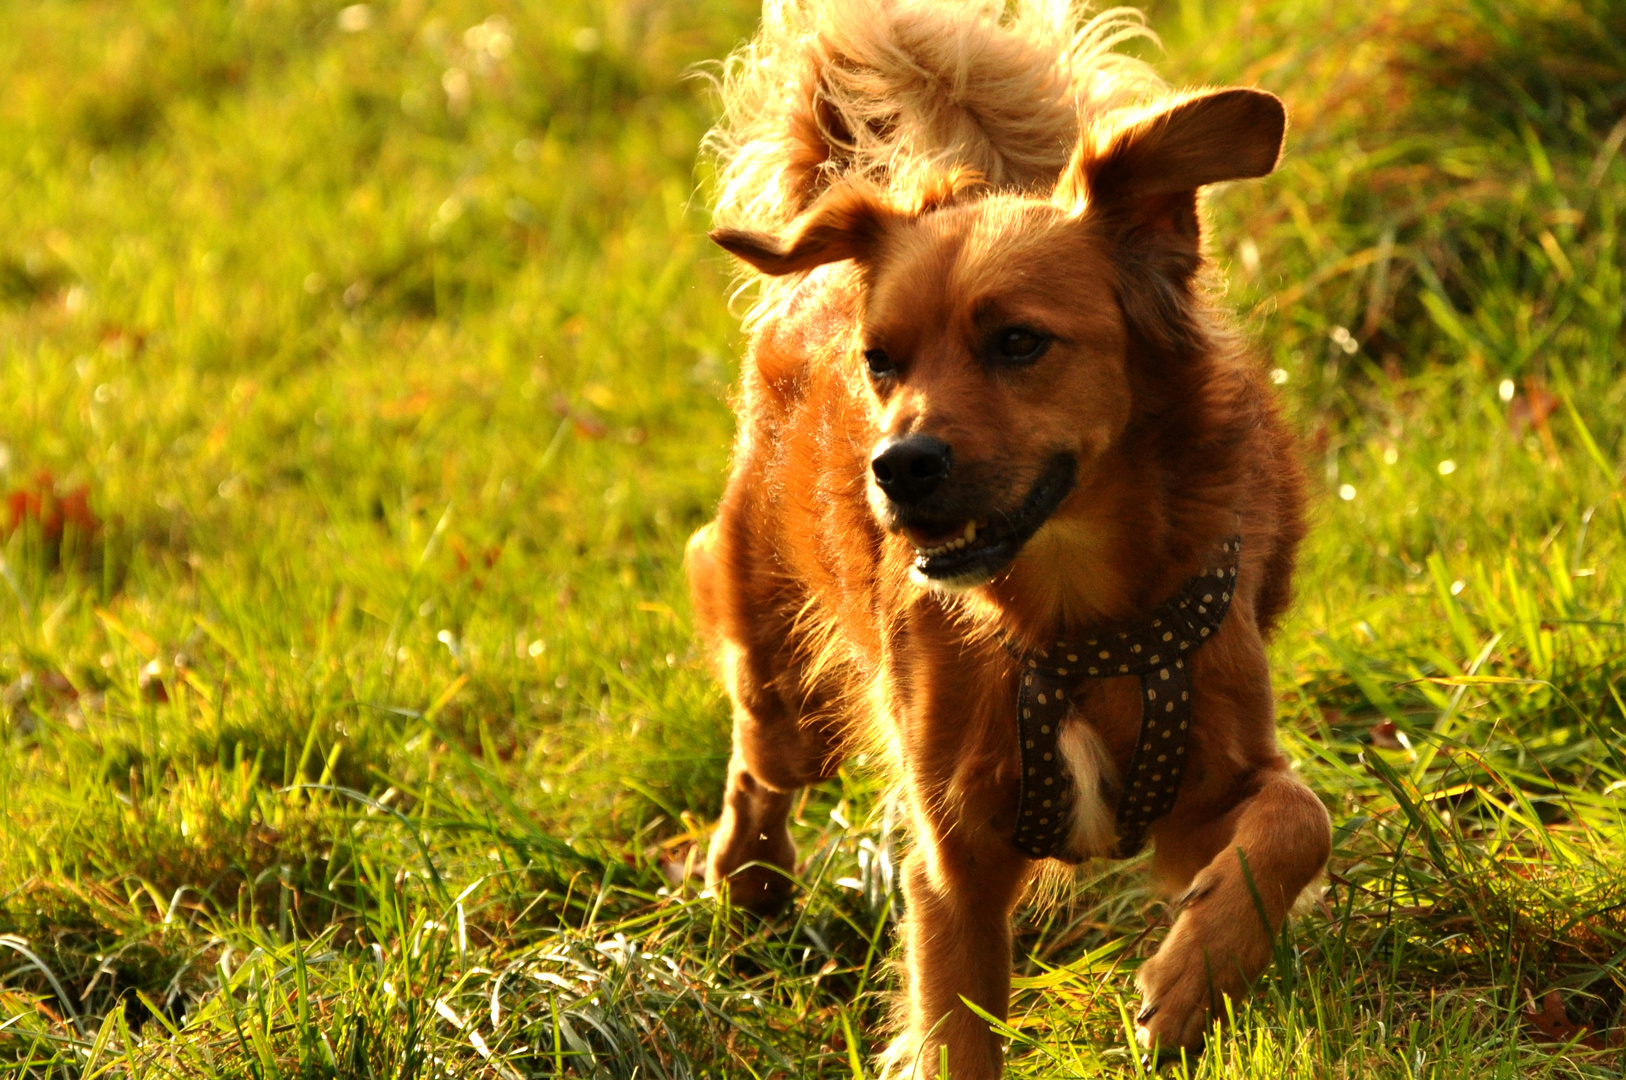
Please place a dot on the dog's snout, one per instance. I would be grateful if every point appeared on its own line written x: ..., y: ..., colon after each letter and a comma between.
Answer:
x: 909, y: 469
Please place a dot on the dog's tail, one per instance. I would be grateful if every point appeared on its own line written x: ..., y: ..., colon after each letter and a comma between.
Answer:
x: 892, y: 90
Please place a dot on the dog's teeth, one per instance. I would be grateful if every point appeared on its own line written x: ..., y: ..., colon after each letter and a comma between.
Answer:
x: 967, y: 536
x: 941, y: 549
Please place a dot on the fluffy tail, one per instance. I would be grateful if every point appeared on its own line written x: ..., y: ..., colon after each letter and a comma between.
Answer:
x: 891, y: 90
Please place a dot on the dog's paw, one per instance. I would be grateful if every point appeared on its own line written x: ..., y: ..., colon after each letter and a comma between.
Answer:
x: 758, y: 871
x: 1218, y: 946
x: 1179, y: 988
x: 761, y: 890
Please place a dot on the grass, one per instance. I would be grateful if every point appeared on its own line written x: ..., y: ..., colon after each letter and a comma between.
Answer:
x: 363, y: 371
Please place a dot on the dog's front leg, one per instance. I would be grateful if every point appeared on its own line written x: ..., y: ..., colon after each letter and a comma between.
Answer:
x: 1254, y: 863
x: 960, y: 885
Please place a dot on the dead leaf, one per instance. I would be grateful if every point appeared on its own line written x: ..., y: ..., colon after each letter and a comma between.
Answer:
x: 123, y: 339
x: 1553, y: 1021
x: 1386, y: 735
x: 41, y: 504
x: 151, y: 682
x: 682, y: 865
x: 590, y: 426
x: 585, y: 423
x: 1531, y: 408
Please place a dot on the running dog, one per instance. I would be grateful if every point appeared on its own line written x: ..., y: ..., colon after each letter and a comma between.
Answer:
x: 1010, y: 503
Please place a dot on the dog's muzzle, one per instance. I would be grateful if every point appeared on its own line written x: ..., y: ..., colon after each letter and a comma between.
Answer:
x: 953, y: 546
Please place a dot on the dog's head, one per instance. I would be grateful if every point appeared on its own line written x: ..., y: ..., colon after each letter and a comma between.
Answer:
x: 998, y: 333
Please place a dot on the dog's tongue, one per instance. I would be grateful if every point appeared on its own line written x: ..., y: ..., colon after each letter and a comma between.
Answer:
x: 932, y: 536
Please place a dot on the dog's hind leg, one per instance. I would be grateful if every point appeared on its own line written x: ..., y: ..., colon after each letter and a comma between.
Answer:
x: 777, y: 750
x: 1254, y: 862
x: 782, y: 737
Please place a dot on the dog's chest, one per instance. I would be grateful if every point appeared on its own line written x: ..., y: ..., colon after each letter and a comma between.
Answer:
x: 1112, y: 709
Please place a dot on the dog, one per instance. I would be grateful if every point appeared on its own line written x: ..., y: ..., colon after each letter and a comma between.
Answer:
x: 1010, y: 504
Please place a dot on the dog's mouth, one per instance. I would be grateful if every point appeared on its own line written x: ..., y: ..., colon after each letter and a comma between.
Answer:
x: 973, y: 550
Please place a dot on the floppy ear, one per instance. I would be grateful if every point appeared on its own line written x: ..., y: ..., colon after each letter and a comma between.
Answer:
x: 848, y: 222
x: 1138, y: 184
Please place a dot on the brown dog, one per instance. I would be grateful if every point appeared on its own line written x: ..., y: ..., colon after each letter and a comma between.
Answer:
x: 988, y: 421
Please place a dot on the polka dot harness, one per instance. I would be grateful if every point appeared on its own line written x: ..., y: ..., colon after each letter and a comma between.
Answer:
x: 1157, y: 651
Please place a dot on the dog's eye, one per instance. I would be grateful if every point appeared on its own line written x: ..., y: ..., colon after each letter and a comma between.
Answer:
x: 879, y: 363
x: 1017, y: 345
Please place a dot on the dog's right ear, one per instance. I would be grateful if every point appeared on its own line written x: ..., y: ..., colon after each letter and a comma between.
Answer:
x: 848, y: 222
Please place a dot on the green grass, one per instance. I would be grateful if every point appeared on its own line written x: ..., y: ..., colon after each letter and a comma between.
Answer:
x: 359, y: 385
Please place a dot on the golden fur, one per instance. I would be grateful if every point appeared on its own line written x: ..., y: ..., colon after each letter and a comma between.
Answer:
x: 897, y: 94
x: 978, y: 231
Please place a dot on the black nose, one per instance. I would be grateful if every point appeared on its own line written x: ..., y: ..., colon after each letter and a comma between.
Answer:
x: 910, y: 468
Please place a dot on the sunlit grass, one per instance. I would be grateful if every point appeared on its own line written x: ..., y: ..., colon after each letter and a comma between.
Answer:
x: 362, y: 372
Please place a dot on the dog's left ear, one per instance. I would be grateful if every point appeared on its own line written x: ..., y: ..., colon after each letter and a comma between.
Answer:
x: 1137, y: 183
x: 850, y: 221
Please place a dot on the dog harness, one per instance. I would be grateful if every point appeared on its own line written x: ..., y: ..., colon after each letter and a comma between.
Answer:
x: 1157, y: 651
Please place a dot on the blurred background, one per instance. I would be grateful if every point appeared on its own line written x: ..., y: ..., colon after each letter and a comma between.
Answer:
x: 363, y: 370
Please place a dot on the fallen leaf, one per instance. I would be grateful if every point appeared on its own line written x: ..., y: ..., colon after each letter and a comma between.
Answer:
x: 41, y: 504
x: 122, y: 339
x: 586, y: 424
x: 151, y: 682
x: 1553, y: 1021
x: 1531, y: 408
x: 1386, y: 735
x: 682, y: 865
